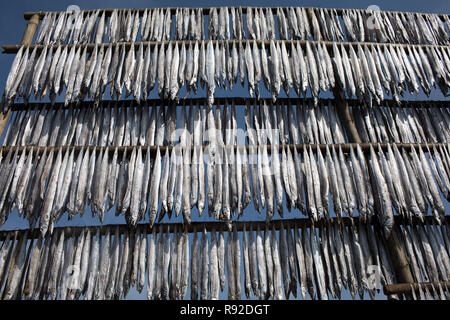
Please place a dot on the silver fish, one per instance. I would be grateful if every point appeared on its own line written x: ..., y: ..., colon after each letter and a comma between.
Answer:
x: 204, y: 266
x: 253, y: 262
x: 152, y: 264
x: 214, y: 269
x: 262, y: 268
x: 194, y: 265
x: 278, y: 290
x: 247, y: 277
x: 237, y: 264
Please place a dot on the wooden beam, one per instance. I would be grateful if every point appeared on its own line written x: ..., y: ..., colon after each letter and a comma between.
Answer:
x: 216, y: 225
x: 339, y: 11
x: 407, y: 288
x: 218, y: 101
x: 12, y: 49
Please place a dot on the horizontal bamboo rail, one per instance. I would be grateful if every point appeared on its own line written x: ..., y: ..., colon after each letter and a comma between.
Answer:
x: 108, y: 12
x: 407, y: 288
x: 215, y: 225
x: 153, y: 149
x: 238, y: 101
x: 12, y: 49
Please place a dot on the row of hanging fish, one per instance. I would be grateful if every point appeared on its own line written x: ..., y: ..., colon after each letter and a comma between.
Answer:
x: 403, y: 125
x: 264, y: 264
x: 426, y: 253
x: 113, y: 124
x: 44, y: 183
x: 368, y: 72
x: 226, y: 23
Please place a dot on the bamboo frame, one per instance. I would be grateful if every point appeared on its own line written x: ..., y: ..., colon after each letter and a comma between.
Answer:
x: 398, y: 254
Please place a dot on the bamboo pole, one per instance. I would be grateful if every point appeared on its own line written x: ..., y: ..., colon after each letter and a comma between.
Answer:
x: 401, y: 266
x: 3, y: 120
x: 338, y: 11
x: 32, y: 25
x: 12, y: 49
x: 238, y: 101
x: 365, y: 147
x: 407, y: 288
x: 215, y: 225
x: 346, y: 118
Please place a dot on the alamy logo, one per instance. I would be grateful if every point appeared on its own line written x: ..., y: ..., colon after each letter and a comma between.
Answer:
x: 373, y: 277
x: 73, y: 8
x: 372, y: 22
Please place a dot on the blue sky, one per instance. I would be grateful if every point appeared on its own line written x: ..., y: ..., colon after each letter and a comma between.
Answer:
x: 13, y: 25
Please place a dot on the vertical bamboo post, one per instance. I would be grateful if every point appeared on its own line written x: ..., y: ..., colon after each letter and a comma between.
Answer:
x: 401, y: 265
x: 27, y: 39
x: 3, y: 120
x: 32, y: 25
x: 346, y: 118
